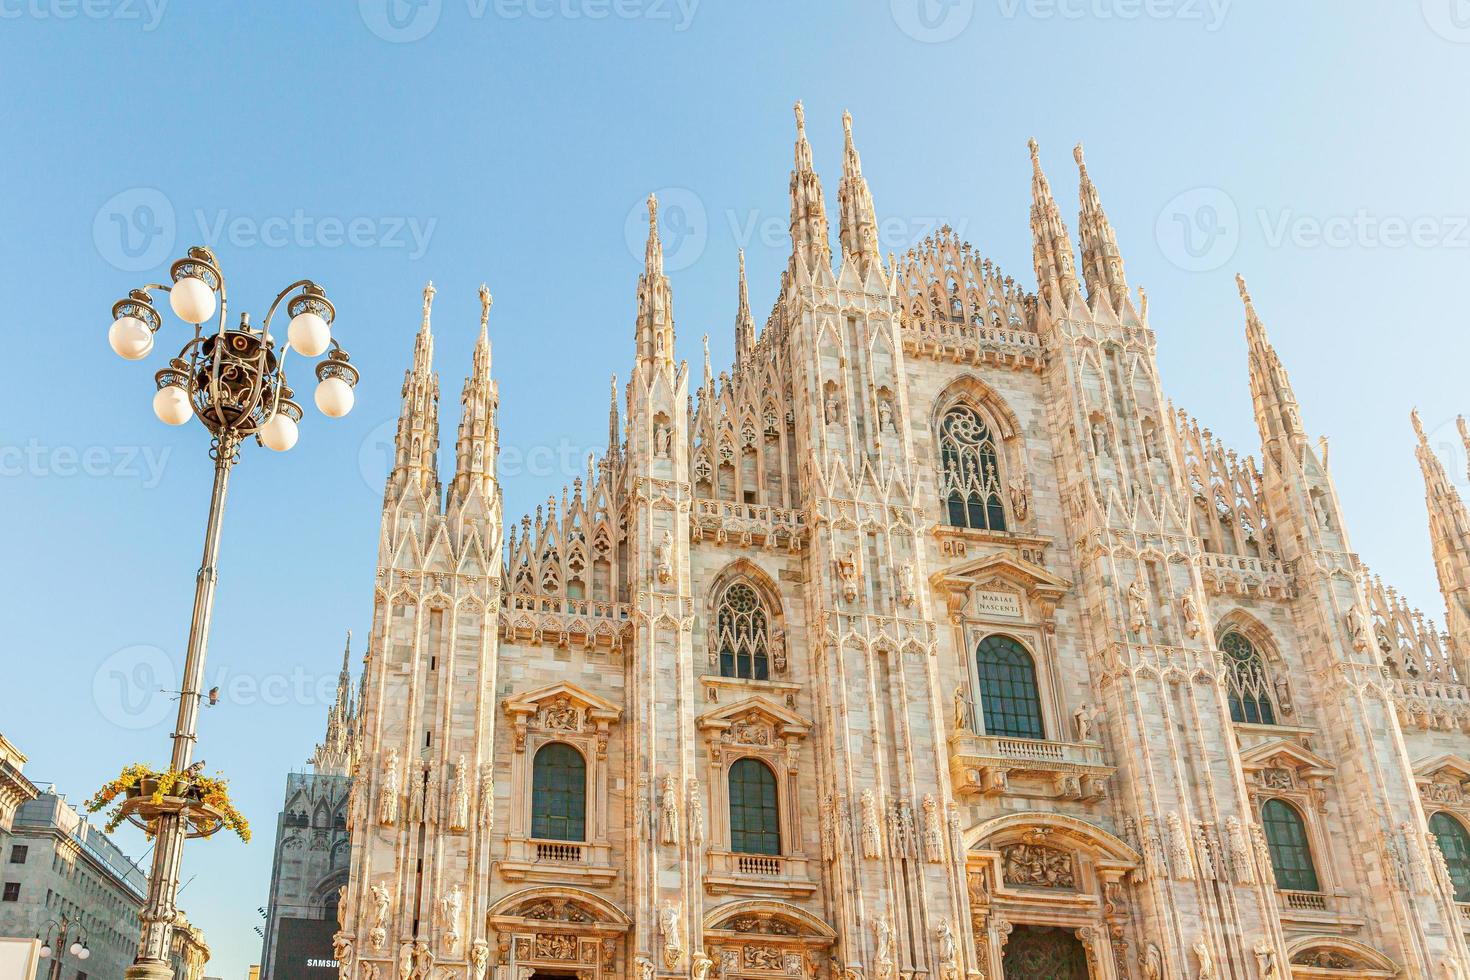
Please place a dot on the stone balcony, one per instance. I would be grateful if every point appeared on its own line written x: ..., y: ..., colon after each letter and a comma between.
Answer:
x: 533, y: 859
x: 984, y: 764
x: 939, y: 339
x: 763, y: 874
x: 725, y: 521
x: 1244, y: 575
x: 1431, y: 705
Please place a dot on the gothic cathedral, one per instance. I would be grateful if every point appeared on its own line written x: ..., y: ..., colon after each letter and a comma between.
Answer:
x: 929, y: 642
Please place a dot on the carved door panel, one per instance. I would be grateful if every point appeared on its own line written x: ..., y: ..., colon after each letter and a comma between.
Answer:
x: 1044, y: 953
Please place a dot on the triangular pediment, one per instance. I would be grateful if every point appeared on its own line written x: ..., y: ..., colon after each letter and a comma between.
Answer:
x: 1002, y: 567
x: 1283, y: 753
x: 532, y: 702
x: 757, y: 711
x: 1448, y: 764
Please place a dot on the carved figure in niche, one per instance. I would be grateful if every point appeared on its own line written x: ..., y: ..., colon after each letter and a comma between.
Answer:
x: 702, y: 966
x: 405, y: 961
x: 1357, y: 632
x: 1206, y: 960
x: 1020, y: 498
x: 872, y: 839
x: 451, y: 907
x: 1324, y: 514
x: 933, y: 831
x: 1240, y: 854
x: 381, y: 900
x: 668, y: 922
x: 669, y: 804
x: 832, y: 405
x: 906, y: 584
x: 645, y: 968
x: 1179, y: 858
x: 961, y: 710
x: 1205, y: 851
x: 883, y: 954
x: 948, y: 950
x: 1265, y: 960
x: 342, y: 952
x: 459, y: 817
x: 431, y: 795
x: 1151, y: 440
x: 415, y: 794
x: 1082, y: 723
x: 885, y: 416
x: 1153, y: 963
x: 696, y: 812
x: 663, y: 440
x: 1101, y: 445
x: 778, y: 650
x: 369, y: 971
x: 487, y: 796
x: 388, y: 792
x: 1274, y: 777
x: 341, y: 906
x: 1039, y: 866
x: 901, y: 828
x: 423, y: 960
x: 666, y: 557
x: 1192, y: 623
x: 847, y: 575
x: 1137, y: 608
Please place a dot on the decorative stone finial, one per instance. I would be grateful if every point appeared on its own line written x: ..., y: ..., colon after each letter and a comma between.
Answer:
x: 1245, y: 294
x: 1035, y: 153
x: 429, y: 292
x: 847, y: 124
x: 800, y: 117
x: 1418, y: 427
x: 1077, y: 155
x: 486, y: 301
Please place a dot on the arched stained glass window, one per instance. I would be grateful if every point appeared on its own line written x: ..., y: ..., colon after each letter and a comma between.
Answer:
x: 972, y: 488
x: 743, y: 634
x: 1291, y: 853
x: 755, y: 816
x: 559, y: 793
x: 1247, y: 687
x: 1009, y: 697
x: 1454, y: 844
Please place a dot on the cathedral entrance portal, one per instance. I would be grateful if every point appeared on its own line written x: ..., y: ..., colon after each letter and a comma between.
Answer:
x: 1044, y: 953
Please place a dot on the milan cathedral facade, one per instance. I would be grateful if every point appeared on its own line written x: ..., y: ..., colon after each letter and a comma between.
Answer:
x: 927, y: 642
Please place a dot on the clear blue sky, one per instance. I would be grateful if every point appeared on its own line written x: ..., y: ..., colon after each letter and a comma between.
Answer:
x: 1298, y: 143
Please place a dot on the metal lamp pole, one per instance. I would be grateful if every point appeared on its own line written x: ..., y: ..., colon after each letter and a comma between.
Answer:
x: 233, y: 381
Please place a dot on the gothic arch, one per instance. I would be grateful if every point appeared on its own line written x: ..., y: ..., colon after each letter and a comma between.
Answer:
x: 967, y: 389
x: 1260, y: 636
x: 746, y: 572
x: 1005, y: 434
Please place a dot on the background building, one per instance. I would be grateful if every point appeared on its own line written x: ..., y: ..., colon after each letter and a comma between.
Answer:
x: 312, y: 849
x: 15, y: 789
x: 929, y: 639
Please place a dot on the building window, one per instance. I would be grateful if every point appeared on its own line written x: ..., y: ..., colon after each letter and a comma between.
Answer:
x: 1454, y: 844
x: 559, y: 793
x: 12, y: 891
x: 972, y: 488
x: 1246, y: 684
x: 18, y: 853
x: 743, y: 634
x: 1008, y: 692
x: 1291, y: 854
x: 755, y: 816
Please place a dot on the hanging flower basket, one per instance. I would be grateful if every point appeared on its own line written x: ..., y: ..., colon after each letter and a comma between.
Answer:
x: 142, y: 796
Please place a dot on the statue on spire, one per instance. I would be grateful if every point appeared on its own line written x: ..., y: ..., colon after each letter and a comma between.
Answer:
x: 429, y: 292
x: 486, y: 301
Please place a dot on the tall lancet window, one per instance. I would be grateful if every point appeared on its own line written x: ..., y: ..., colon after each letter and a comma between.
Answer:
x: 972, y: 489
x: 1247, y: 687
x: 743, y: 634
x: 559, y: 793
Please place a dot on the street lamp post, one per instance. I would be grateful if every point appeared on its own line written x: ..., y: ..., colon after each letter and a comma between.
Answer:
x: 59, y: 931
x: 234, y: 382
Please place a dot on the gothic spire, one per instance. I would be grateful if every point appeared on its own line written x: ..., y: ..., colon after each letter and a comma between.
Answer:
x: 1277, y: 414
x: 655, y: 302
x: 476, y: 445
x: 335, y: 754
x: 744, y: 322
x: 1102, y: 266
x: 709, y: 375
x: 416, y: 444
x: 1056, y: 274
x: 613, y: 442
x: 1449, y: 534
x: 859, y: 224
x: 810, y: 245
